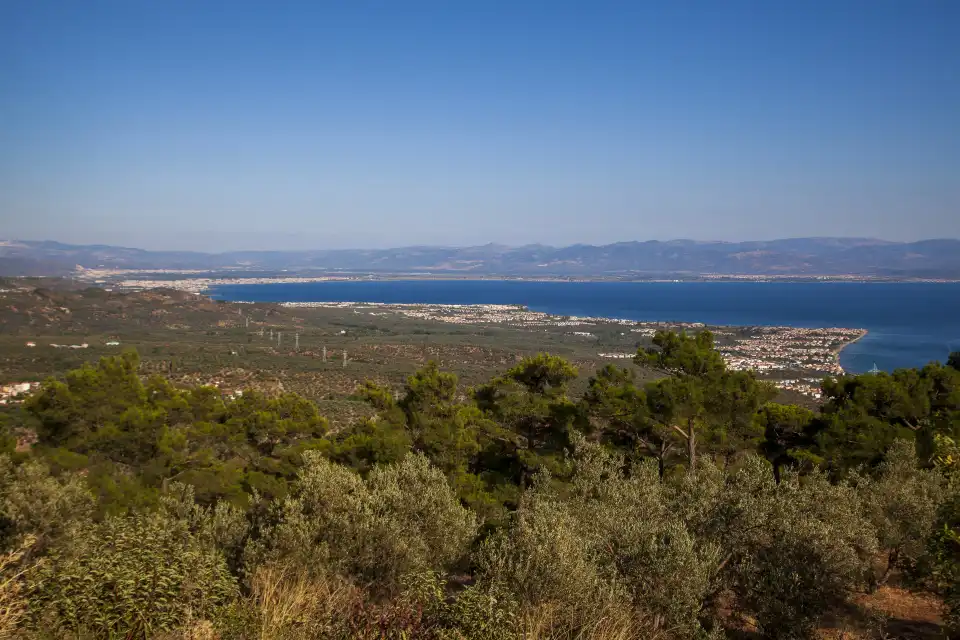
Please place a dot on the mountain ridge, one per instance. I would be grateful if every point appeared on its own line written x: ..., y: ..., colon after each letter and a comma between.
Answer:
x: 828, y: 256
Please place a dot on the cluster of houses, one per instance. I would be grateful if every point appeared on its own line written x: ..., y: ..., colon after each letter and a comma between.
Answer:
x: 806, y: 386
x: 83, y: 345
x: 14, y: 393
x: 811, y: 353
x: 510, y: 314
x: 791, y: 349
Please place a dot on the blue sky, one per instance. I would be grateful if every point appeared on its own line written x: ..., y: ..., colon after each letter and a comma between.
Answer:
x: 253, y: 125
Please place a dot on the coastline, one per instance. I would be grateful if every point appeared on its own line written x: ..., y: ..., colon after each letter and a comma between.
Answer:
x: 793, y: 358
x: 195, y: 281
x: 910, y: 308
x: 839, y: 349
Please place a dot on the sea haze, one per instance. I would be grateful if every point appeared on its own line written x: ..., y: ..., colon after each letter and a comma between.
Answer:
x: 909, y: 324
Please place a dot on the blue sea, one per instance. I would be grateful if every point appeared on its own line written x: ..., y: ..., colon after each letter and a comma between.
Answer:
x: 909, y: 324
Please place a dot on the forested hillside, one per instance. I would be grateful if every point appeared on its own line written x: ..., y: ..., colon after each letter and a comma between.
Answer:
x: 690, y: 506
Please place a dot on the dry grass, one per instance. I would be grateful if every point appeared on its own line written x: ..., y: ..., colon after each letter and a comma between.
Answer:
x: 13, y: 602
x: 611, y: 622
x: 281, y: 599
x: 285, y: 605
x: 290, y: 604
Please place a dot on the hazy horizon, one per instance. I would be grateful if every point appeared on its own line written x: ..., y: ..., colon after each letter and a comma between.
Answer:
x: 246, y: 126
x: 269, y: 249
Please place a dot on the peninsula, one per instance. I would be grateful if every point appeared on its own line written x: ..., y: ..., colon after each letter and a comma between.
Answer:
x: 792, y: 358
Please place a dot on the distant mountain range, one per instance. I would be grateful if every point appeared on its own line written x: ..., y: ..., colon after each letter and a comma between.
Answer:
x: 680, y: 258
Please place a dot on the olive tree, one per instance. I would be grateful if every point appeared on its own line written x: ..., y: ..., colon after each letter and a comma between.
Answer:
x: 788, y: 550
x: 608, y: 541
x: 901, y: 501
x: 403, y: 518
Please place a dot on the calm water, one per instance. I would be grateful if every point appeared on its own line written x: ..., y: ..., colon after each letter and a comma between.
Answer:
x: 910, y: 324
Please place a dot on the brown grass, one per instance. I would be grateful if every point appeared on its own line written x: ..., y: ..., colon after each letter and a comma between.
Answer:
x: 13, y: 603
x: 611, y: 622
x: 287, y: 600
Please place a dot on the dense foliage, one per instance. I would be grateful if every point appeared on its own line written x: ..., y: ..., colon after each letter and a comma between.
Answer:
x: 677, y: 508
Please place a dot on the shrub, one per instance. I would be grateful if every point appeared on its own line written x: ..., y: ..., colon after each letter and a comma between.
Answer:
x: 542, y: 559
x: 902, y: 503
x: 404, y: 518
x: 610, y: 543
x: 790, y: 551
x: 481, y: 614
x: 35, y: 503
x: 942, y: 560
x: 130, y: 576
x: 221, y: 526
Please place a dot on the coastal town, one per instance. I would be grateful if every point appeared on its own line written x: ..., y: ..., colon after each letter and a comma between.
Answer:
x: 82, y: 321
x: 200, y: 282
x: 792, y: 358
x: 512, y: 315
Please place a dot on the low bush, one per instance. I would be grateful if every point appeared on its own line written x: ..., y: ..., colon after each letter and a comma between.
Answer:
x: 35, y: 503
x: 901, y: 500
x: 402, y: 519
x: 610, y: 543
x: 130, y: 577
x: 789, y: 551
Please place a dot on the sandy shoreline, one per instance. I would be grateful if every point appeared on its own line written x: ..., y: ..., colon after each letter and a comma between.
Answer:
x: 838, y: 350
x: 201, y: 281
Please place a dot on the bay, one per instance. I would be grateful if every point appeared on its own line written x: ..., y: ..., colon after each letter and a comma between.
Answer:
x: 909, y: 324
